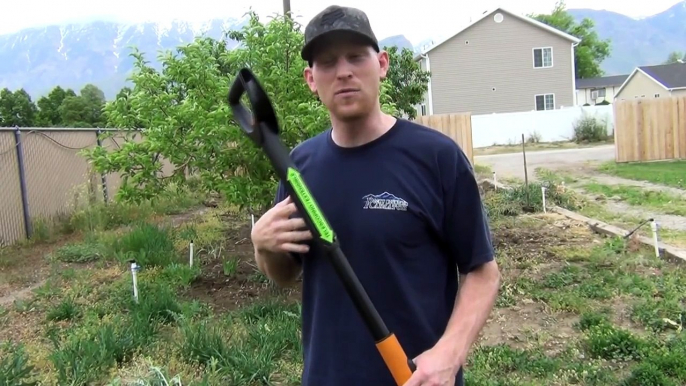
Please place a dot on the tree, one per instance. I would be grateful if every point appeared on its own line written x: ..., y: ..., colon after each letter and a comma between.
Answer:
x: 591, y: 51
x: 94, y: 101
x: 84, y: 110
x: 186, y: 120
x: 17, y: 108
x: 49, y: 108
x: 75, y: 112
x: 675, y: 57
x: 408, y: 82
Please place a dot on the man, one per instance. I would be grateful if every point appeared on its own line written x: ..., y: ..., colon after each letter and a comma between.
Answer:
x: 405, y: 205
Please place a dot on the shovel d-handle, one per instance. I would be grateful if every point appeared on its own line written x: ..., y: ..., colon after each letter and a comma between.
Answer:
x: 261, y: 126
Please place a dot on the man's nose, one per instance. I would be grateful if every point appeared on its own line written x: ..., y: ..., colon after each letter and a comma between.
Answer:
x: 343, y: 69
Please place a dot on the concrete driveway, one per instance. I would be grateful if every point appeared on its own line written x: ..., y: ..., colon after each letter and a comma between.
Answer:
x: 511, y: 165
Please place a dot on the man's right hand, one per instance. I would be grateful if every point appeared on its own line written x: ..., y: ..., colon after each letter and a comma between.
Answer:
x: 276, y: 233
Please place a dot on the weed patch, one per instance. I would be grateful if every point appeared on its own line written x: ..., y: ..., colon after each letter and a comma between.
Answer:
x: 147, y: 244
x: 15, y: 368
x: 521, y: 199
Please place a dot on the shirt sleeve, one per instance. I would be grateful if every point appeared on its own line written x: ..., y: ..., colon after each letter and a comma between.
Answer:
x: 465, y: 227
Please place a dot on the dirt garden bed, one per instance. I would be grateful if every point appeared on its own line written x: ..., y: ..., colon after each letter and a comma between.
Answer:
x: 575, y: 307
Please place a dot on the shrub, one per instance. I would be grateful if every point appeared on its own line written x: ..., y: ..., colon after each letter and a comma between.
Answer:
x: 534, y: 137
x: 590, y: 129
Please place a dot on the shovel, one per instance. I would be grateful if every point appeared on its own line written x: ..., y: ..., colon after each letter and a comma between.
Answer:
x: 263, y: 129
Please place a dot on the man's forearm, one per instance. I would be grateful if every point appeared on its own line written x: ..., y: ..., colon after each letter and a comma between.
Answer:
x: 281, y: 268
x: 475, y: 300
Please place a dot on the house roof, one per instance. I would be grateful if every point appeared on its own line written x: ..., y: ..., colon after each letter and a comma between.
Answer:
x: 669, y: 76
x: 604, y: 81
x: 518, y: 16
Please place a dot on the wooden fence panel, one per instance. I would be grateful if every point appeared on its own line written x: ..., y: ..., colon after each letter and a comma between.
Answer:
x: 650, y: 129
x: 456, y: 126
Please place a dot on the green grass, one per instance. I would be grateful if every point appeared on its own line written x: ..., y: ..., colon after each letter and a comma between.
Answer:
x: 656, y: 200
x: 601, y: 311
x: 669, y: 173
x: 595, y: 209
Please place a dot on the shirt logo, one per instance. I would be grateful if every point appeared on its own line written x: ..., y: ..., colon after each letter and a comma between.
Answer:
x: 385, y: 201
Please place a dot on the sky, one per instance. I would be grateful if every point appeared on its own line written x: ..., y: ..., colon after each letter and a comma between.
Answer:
x: 414, y: 19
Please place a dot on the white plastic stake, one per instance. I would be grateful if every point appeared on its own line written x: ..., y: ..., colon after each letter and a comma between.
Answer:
x: 191, y: 254
x: 495, y: 182
x: 134, y: 273
x: 653, y: 226
x: 543, y: 194
x: 252, y: 220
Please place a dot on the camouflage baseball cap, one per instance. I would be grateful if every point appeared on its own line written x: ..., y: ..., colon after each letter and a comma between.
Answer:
x: 337, y: 19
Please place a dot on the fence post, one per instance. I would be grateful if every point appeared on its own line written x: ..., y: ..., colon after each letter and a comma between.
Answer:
x: 102, y: 176
x: 22, y: 182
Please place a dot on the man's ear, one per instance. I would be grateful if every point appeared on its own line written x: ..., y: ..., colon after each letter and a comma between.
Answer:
x: 384, y: 63
x: 309, y: 78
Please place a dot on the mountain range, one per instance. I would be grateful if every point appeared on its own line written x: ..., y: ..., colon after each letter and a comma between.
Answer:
x: 638, y: 42
x: 72, y: 55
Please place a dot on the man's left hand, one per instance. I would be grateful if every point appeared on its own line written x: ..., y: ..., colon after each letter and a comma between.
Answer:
x: 437, y: 366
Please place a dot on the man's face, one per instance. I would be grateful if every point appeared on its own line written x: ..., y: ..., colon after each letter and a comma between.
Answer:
x: 346, y: 75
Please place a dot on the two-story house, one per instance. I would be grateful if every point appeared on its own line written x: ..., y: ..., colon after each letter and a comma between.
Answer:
x: 502, y: 62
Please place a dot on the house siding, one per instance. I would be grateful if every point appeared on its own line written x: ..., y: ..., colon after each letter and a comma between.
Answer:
x: 641, y: 86
x: 500, y: 56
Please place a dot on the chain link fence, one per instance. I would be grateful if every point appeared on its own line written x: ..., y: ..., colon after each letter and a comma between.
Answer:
x: 43, y: 177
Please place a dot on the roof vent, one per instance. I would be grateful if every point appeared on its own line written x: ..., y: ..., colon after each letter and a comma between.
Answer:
x: 498, y: 17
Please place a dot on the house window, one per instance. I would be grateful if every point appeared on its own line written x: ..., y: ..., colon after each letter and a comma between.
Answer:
x: 657, y: 95
x: 598, y: 93
x: 423, y: 109
x: 543, y: 57
x: 545, y: 102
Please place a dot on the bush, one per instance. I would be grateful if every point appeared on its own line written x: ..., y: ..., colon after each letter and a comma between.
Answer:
x: 590, y: 129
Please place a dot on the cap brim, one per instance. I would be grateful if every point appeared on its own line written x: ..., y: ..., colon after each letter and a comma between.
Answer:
x: 308, y: 49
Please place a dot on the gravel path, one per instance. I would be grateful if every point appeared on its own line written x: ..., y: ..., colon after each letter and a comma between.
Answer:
x: 511, y: 165
x: 612, y: 180
x: 667, y: 221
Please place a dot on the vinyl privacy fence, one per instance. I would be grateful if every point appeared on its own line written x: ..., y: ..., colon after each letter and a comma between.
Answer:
x: 43, y: 177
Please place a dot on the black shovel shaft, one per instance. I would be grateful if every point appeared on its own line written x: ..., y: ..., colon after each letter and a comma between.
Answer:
x: 262, y: 128
x: 264, y: 132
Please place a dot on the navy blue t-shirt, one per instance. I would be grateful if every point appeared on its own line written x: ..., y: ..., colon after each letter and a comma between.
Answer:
x: 408, y: 215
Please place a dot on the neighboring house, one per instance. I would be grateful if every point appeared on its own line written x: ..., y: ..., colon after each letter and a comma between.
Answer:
x: 591, y: 91
x: 502, y: 62
x: 664, y: 80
